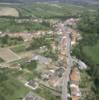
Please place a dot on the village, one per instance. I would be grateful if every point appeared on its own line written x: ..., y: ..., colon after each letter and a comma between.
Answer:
x: 49, y: 68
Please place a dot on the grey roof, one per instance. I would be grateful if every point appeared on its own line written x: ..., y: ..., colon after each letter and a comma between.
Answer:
x: 41, y: 59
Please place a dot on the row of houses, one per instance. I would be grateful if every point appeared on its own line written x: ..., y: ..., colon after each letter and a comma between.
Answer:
x: 26, y: 35
x: 74, y: 84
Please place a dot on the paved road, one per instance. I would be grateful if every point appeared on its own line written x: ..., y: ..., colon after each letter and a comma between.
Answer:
x: 69, y: 64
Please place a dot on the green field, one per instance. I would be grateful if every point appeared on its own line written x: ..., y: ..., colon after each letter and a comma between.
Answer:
x: 47, y: 93
x: 11, y: 88
x: 19, y: 48
x: 48, y: 10
x: 92, y: 52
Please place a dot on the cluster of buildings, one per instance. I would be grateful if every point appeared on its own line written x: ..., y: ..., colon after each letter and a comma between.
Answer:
x: 27, y: 36
x: 53, y: 77
x: 74, y: 84
x: 71, y: 21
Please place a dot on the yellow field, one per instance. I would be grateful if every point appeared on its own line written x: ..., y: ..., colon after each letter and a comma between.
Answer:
x: 7, y: 11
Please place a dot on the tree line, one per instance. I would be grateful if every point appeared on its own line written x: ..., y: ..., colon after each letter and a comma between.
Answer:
x: 89, y: 28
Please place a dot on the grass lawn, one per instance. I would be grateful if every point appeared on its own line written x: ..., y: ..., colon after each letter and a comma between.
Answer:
x: 92, y: 52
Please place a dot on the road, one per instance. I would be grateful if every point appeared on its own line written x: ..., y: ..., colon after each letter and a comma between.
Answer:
x: 68, y: 61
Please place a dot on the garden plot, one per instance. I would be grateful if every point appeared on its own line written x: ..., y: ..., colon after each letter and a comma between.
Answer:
x: 7, y: 55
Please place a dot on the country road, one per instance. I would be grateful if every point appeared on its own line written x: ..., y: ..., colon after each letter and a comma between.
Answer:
x: 68, y: 62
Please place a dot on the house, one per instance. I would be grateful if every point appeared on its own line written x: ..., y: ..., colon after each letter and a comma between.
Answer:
x: 32, y: 96
x: 75, y: 91
x: 75, y: 75
x: 75, y: 98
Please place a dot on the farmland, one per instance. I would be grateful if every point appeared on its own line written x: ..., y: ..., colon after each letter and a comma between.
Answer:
x: 48, y: 10
x: 45, y: 10
x: 8, y: 11
x: 7, y: 54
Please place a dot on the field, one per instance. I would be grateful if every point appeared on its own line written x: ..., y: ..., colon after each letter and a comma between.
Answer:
x: 92, y: 52
x: 19, y: 48
x: 7, y: 11
x: 12, y: 87
x: 44, y: 10
x: 48, y: 10
x: 7, y: 55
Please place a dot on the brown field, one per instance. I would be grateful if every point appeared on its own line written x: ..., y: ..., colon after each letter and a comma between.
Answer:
x: 7, y: 55
x: 7, y: 11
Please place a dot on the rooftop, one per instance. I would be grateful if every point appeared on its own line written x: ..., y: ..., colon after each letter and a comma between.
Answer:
x: 75, y: 75
x: 41, y: 59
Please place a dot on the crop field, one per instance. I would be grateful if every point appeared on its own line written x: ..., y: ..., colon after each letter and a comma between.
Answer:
x: 7, y: 55
x: 7, y: 11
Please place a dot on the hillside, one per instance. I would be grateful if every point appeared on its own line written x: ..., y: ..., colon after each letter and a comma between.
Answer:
x: 80, y: 2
